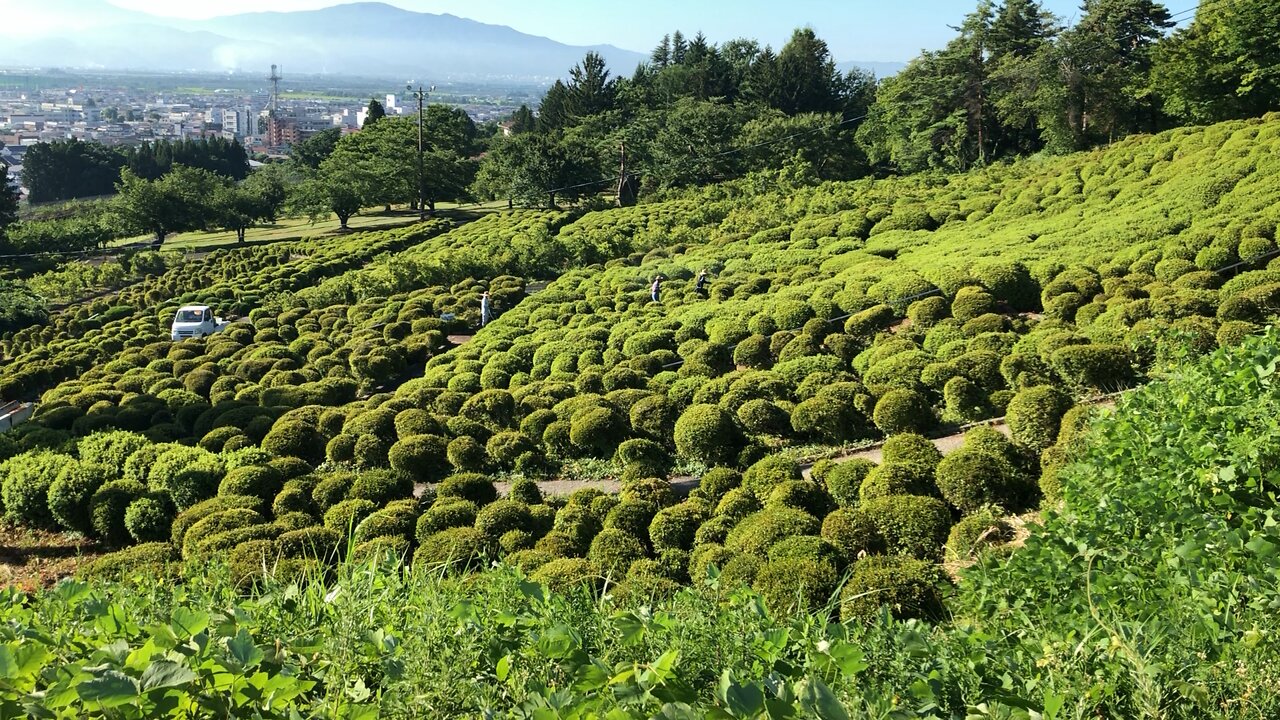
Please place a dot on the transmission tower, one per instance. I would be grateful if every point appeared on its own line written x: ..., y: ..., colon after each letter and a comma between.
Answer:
x: 274, y: 109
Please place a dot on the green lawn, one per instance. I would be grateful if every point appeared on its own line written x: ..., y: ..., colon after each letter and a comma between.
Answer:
x: 298, y: 228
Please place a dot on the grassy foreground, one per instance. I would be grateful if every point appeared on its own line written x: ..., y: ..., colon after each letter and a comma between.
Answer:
x: 1151, y: 593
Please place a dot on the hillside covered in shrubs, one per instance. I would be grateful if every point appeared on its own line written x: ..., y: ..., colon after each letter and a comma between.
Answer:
x: 340, y: 420
x: 1148, y: 593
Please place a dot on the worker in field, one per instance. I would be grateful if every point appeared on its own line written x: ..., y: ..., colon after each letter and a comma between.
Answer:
x: 700, y: 286
x: 656, y: 287
x: 486, y: 308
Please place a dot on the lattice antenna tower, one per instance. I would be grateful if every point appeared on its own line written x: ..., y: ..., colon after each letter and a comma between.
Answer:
x: 274, y: 110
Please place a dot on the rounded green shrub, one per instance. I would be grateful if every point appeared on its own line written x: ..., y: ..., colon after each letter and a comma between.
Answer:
x: 844, y: 481
x: 1035, y: 414
x: 718, y: 481
x: 761, y: 531
x: 795, y: 584
x: 477, y: 488
x: 149, y: 519
x: 332, y: 489
x: 526, y: 491
x: 675, y: 527
x: 24, y: 486
x: 708, y: 434
x: 613, y: 550
x: 201, y: 510
x: 562, y: 574
x: 1097, y: 367
x: 381, y: 486
x: 465, y: 453
x: 456, y: 550
x: 317, y: 542
x: 107, y: 509
x: 502, y: 516
x: 899, y: 411
x: 981, y: 528
x: 907, y: 587
x: 765, y: 475
x: 421, y: 457
x: 71, y: 492
x: 970, y: 302
x: 255, y: 480
x: 395, y: 520
x: 897, y: 478
x: 803, y: 495
x: 911, y: 448
x: 852, y: 533
x: 970, y: 479
x: 444, y: 515
x: 909, y: 524
x: 344, y: 516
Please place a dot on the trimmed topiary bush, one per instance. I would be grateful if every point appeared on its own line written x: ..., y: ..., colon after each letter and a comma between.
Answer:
x: 1035, y: 414
x: 199, y: 511
x: 563, y: 574
x: 762, y: 477
x: 718, y: 481
x: 738, y: 503
x: 466, y: 453
x: 803, y: 495
x: 501, y: 516
x: 900, y: 411
x: 675, y: 527
x: 154, y: 558
x: 396, y: 520
x: 906, y: 586
x: 759, y: 532
x: 477, y: 488
x: 970, y: 302
x: 344, y: 516
x: 1097, y: 367
x: 852, y: 533
x: 149, y: 519
x: 381, y: 486
x: 526, y: 491
x: 970, y: 479
x: 107, y: 508
x: 453, y: 550
x: 897, y: 478
x: 255, y: 480
x: 444, y: 515
x: 614, y: 550
x: 795, y: 584
x: 909, y: 524
x: 982, y: 528
x: 317, y: 542
x: 70, y: 493
x: 24, y: 486
x: 421, y: 457
x: 844, y: 481
x: 216, y: 524
x: 911, y: 448
x: 708, y: 434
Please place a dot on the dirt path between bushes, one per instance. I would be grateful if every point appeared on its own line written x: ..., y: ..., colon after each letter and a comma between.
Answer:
x: 682, y: 484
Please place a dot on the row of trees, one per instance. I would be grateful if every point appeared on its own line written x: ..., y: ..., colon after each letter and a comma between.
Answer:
x: 695, y: 113
x: 75, y: 169
x: 1013, y: 81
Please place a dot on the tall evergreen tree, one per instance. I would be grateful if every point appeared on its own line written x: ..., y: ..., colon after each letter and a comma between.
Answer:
x: 807, y: 77
x: 375, y: 113
x: 661, y: 55
x: 1225, y: 65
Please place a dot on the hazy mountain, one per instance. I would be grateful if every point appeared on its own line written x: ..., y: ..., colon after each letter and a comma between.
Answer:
x: 371, y: 39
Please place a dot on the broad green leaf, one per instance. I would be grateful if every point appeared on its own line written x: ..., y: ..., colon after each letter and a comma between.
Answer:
x: 243, y: 649
x: 504, y: 667
x: 817, y: 698
x: 109, y: 689
x: 165, y: 674
x: 188, y: 622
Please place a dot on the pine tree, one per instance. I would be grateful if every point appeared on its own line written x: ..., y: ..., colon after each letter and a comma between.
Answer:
x: 375, y: 112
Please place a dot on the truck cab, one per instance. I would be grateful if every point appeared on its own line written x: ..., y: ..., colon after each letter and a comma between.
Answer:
x: 194, y: 321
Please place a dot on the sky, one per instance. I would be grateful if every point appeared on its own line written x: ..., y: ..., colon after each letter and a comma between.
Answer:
x: 869, y: 30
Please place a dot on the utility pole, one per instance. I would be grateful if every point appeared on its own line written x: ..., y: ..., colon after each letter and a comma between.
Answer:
x: 421, y: 95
